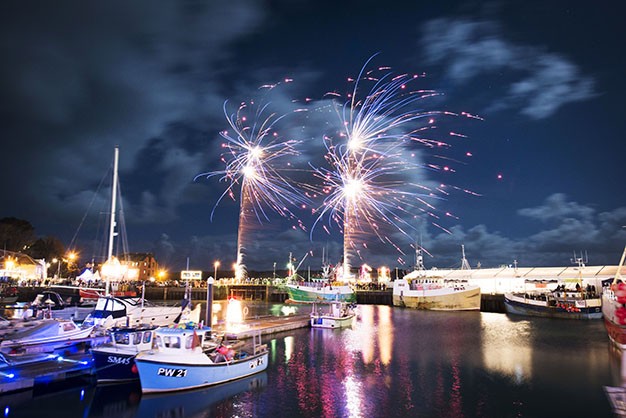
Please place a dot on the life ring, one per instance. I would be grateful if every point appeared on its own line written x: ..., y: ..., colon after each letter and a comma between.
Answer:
x: 245, y: 311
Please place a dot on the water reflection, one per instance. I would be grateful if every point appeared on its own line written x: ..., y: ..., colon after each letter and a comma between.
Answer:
x: 507, y: 346
x: 398, y: 362
x: 126, y: 400
x: 197, y: 402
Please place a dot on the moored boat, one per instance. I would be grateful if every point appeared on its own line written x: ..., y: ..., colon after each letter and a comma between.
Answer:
x: 316, y: 291
x: 436, y: 294
x: 334, y: 314
x: 614, y: 307
x: 114, y: 361
x: 565, y: 302
x: 419, y: 291
x: 113, y: 311
x: 180, y: 362
x: 53, y: 305
x: 44, y: 335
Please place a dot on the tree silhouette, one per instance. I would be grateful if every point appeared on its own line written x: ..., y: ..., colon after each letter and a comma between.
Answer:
x: 16, y: 234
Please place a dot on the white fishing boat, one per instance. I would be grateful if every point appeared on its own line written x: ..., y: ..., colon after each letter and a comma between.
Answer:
x: 114, y: 361
x: 334, y: 314
x: 180, y: 362
x: 43, y: 335
x: 419, y: 291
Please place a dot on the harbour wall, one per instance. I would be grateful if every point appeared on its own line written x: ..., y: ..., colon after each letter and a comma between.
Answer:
x: 253, y: 292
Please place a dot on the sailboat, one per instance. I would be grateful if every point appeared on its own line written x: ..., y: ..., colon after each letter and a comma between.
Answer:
x: 111, y: 310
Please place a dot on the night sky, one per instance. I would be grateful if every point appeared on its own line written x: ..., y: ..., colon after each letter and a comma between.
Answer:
x: 543, y: 163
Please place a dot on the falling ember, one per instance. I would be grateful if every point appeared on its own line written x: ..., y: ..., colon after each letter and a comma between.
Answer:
x: 254, y: 156
x: 366, y: 183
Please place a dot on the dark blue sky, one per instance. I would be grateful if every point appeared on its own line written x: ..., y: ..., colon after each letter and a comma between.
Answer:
x: 152, y: 77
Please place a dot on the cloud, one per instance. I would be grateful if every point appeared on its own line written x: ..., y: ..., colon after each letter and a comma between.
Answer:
x: 82, y: 80
x: 539, y: 82
x: 556, y: 207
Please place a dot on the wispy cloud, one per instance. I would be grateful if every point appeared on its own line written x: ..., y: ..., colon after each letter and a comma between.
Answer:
x: 539, y: 82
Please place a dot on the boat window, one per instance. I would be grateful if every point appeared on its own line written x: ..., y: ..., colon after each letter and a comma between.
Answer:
x: 159, y: 341
x: 147, y: 336
x: 122, y: 339
x: 171, y: 342
x: 136, y: 338
x: 68, y: 326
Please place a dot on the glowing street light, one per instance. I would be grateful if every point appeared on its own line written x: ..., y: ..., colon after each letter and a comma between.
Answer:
x: 216, y: 265
x: 56, y: 260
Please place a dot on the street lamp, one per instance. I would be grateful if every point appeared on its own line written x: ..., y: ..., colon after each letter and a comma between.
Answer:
x: 216, y: 265
x: 56, y: 260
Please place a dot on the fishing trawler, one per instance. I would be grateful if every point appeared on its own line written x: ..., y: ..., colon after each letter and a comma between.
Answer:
x: 319, y: 289
x: 420, y: 291
x: 180, y: 362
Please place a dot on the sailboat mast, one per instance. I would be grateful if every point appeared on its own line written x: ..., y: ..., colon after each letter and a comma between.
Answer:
x: 112, y: 220
x: 113, y: 204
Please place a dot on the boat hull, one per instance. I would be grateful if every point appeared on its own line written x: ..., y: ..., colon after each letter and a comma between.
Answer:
x: 452, y: 298
x: 304, y: 293
x: 174, y: 375
x: 589, y: 309
x: 327, y: 321
x: 614, y: 319
x: 114, y: 365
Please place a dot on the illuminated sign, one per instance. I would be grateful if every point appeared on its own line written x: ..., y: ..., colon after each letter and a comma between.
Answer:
x: 191, y: 275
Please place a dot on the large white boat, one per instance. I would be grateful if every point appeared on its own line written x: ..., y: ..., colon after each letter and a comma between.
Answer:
x: 179, y: 361
x: 113, y: 311
x: 418, y: 290
x: 614, y: 307
x: 435, y: 294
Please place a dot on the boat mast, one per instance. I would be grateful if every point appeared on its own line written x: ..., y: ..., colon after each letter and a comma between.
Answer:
x: 464, y: 263
x: 112, y: 220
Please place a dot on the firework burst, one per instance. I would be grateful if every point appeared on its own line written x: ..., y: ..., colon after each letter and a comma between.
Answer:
x: 255, y: 155
x: 366, y: 188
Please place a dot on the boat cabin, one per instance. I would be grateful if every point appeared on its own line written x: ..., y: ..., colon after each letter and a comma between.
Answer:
x: 137, y: 338
x: 178, y: 340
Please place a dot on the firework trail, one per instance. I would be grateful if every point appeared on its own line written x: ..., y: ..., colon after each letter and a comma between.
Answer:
x: 365, y: 187
x: 254, y: 156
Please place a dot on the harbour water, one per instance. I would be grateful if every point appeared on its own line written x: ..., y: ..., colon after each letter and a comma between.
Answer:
x: 393, y: 362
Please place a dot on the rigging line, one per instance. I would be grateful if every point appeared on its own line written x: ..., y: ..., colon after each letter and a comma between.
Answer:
x: 93, y: 199
x: 122, y: 219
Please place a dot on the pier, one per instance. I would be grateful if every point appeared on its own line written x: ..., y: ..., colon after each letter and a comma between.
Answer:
x: 78, y: 365
x: 490, y: 302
